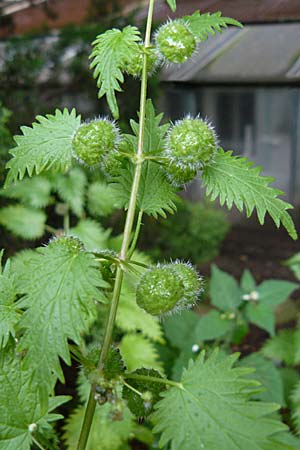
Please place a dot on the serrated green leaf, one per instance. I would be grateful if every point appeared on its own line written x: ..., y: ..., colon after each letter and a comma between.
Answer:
x: 172, y: 4
x: 47, y: 145
x: 93, y: 236
x: 19, y: 404
x: 212, y: 326
x: 34, y: 192
x: 212, y: 406
x: 9, y: 315
x: 235, y: 181
x: 248, y: 283
x: 290, y: 378
x: 203, y: 25
x: 261, y: 315
x: 24, y: 222
x: 101, y: 199
x: 105, y: 434
x: 60, y: 286
x: 224, y: 290
x: 138, y: 352
x: 71, y: 189
x: 110, y: 51
x: 283, y: 441
x: 131, y: 318
x: 156, y: 196
x: 285, y: 347
x: 268, y: 375
x: 275, y: 292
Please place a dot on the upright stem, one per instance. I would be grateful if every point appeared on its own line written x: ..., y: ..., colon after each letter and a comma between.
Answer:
x: 91, y: 405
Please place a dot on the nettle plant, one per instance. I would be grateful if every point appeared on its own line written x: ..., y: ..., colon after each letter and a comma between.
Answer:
x: 55, y: 298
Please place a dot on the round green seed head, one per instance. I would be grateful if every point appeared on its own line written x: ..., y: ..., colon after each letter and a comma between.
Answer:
x: 176, y: 42
x: 95, y: 139
x: 159, y: 290
x: 193, y: 284
x: 191, y: 143
x: 68, y: 243
x: 133, y: 65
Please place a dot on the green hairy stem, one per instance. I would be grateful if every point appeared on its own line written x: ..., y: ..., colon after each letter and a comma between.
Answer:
x: 91, y: 405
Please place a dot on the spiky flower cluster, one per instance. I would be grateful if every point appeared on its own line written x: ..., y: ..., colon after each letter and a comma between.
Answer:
x: 191, y: 143
x: 169, y: 287
x: 175, y: 41
x: 94, y: 140
x: 134, y: 63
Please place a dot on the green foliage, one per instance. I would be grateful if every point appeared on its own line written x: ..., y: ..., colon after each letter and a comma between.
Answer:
x: 105, y: 433
x: 138, y: 352
x: 203, y: 25
x: 93, y: 236
x: 109, y: 55
x: 71, y: 189
x: 224, y: 290
x: 9, y: 314
x: 172, y: 4
x: 48, y: 144
x: 285, y: 347
x: 22, y: 221
x: 215, y: 396
x: 194, y: 233
x: 22, y: 417
x: 235, y: 181
x: 33, y: 192
x: 295, y: 397
x: 101, y: 199
x: 294, y: 264
x: 59, y: 287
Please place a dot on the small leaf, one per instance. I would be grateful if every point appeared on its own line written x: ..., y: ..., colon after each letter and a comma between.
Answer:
x: 34, y: 192
x: 248, y: 283
x: 109, y: 54
x: 212, y: 326
x: 212, y: 406
x: 47, y: 145
x: 71, y: 189
x: 285, y: 347
x: 235, y: 181
x: 9, y: 315
x: 203, y: 25
x: 261, y: 315
x: 93, y: 236
x: 27, y: 223
x: 172, y: 4
x: 275, y: 292
x: 139, y: 352
x: 101, y: 199
x: 224, y: 290
x: 180, y: 330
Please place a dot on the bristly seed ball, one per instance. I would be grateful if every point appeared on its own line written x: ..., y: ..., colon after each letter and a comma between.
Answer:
x: 95, y: 139
x: 175, y: 41
x: 191, y: 143
x: 168, y: 288
x: 178, y: 176
x: 134, y: 63
x: 159, y: 290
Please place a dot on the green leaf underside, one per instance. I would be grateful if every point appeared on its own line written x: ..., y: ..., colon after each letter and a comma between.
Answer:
x: 105, y: 434
x: 19, y: 404
x: 33, y: 192
x: 203, y: 25
x: 213, y: 407
x: 60, y: 289
x: 224, y: 290
x: 138, y: 352
x: 172, y: 4
x: 71, y: 189
x: 235, y: 181
x: 109, y: 54
x: 24, y: 222
x: 9, y: 315
x: 285, y: 347
x: 45, y: 145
